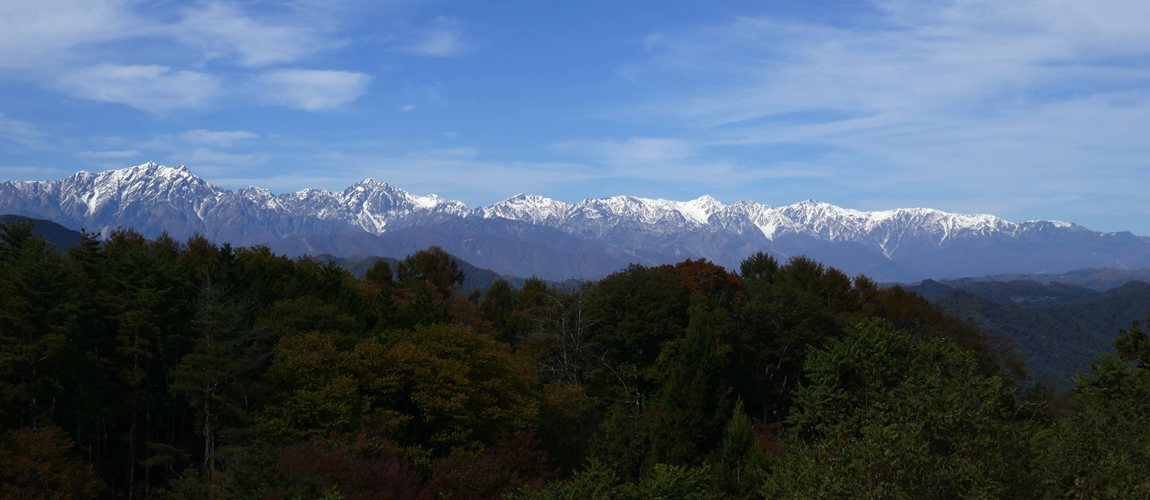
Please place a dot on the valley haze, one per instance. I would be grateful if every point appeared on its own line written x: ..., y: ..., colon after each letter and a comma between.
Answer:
x: 532, y: 235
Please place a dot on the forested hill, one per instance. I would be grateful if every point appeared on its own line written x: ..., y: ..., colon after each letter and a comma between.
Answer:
x: 163, y: 369
x: 1019, y: 293
x: 59, y: 236
x: 475, y: 278
x: 1055, y: 341
x: 1097, y: 279
x: 1056, y: 327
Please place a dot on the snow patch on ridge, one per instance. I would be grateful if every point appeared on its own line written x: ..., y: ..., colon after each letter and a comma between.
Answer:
x: 377, y: 207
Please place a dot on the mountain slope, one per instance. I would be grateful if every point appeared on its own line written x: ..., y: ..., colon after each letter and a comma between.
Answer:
x: 59, y: 236
x: 1022, y: 293
x: 534, y: 235
x: 1056, y: 341
x: 1098, y: 279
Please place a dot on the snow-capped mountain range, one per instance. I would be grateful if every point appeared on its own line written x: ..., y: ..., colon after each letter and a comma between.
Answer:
x: 529, y: 234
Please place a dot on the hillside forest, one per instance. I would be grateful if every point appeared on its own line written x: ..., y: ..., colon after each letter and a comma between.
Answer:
x: 1055, y: 328
x: 161, y: 369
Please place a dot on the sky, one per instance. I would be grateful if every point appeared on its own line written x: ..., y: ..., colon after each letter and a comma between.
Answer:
x: 1026, y: 109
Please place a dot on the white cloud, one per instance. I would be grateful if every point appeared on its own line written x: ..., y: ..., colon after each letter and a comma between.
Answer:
x: 214, y: 164
x: 660, y: 159
x: 639, y: 151
x: 964, y: 99
x: 179, y: 53
x: 216, y: 138
x: 108, y: 154
x: 926, y: 57
x: 43, y: 32
x: 35, y: 33
x: 205, y: 155
x: 443, y: 39
x: 222, y: 29
x: 312, y: 90
x: 20, y: 131
x: 150, y: 88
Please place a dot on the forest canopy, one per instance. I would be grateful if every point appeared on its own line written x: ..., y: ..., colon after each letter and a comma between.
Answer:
x: 155, y: 368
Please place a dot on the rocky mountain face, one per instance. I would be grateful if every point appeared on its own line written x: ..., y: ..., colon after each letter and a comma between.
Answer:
x: 528, y: 234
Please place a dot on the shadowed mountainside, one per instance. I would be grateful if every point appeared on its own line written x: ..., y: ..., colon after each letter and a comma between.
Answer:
x: 1057, y: 339
x: 59, y: 236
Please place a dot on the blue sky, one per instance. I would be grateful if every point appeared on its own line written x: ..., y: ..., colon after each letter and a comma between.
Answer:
x: 1027, y: 109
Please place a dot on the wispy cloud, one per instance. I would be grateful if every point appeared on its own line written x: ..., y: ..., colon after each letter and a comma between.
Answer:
x: 222, y: 29
x: 150, y: 88
x: 188, y: 56
x: 109, y: 154
x: 312, y: 90
x: 956, y: 98
x: 206, y: 157
x: 216, y: 138
x: 443, y: 38
x: 683, y: 163
x: 39, y: 33
x: 636, y: 152
x: 215, y: 165
x: 20, y: 131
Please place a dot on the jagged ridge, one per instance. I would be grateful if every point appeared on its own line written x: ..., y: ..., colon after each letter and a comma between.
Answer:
x: 901, y: 243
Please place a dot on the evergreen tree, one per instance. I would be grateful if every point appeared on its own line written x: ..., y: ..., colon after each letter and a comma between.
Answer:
x: 1134, y: 345
x: 695, y: 401
x: 213, y: 379
x: 740, y: 464
x: 33, y: 345
x: 498, y: 305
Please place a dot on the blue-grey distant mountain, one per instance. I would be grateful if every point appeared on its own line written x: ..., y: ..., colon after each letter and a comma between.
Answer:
x: 1100, y: 280
x: 527, y: 235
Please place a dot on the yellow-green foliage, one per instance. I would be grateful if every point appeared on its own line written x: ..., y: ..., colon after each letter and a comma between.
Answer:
x: 442, y: 387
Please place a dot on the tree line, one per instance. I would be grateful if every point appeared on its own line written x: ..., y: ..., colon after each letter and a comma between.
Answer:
x: 137, y: 368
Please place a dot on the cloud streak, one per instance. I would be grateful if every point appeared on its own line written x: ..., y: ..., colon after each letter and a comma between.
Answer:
x: 150, y: 88
x: 222, y: 30
x: 109, y: 154
x: 33, y: 34
x: 21, y: 132
x: 444, y: 38
x: 180, y: 57
x: 963, y: 99
x: 311, y: 90
x: 216, y: 138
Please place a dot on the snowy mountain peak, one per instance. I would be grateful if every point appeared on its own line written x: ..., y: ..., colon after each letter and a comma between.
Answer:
x: 155, y: 198
x: 701, y: 209
x: 431, y: 201
x: 150, y: 169
x: 706, y: 201
x: 367, y: 184
x: 530, y: 208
